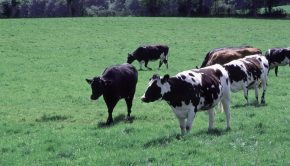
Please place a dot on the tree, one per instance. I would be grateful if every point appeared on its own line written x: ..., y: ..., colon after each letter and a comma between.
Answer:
x: 270, y: 4
x: 153, y: 6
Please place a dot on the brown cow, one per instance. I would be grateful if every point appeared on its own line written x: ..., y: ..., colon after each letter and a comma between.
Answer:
x: 227, y: 54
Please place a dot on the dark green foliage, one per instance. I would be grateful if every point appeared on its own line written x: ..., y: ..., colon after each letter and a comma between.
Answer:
x: 78, y: 8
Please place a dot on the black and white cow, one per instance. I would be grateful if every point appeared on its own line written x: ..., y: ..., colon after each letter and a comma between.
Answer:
x: 278, y: 57
x: 144, y: 54
x: 116, y: 82
x: 191, y: 91
x: 248, y: 72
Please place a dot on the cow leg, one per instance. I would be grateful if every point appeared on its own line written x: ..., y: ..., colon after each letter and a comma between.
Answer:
x: 210, y: 119
x: 111, y: 103
x: 146, y: 65
x: 276, y: 71
x: 162, y: 59
x: 190, y: 117
x: 246, y: 94
x: 226, y: 107
x: 264, y: 84
x: 182, y: 124
x: 256, y: 92
x: 160, y: 63
x: 129, y: 105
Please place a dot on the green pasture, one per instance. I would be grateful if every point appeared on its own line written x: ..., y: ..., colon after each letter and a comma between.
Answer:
x: 47, y: 118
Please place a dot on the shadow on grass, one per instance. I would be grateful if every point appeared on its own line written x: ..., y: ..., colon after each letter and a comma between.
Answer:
x: 162, y: 141
x: 117, y: 119
x: 166, y: 140
x: 213, y: 132
x: 250, y: 104
x: 46, y: 118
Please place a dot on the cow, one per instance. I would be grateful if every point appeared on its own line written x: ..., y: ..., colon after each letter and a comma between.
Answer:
x: 248, y: 72
x: 117, y: 82
x: 224, y: 55
x: 144, y: 54
x: 191, y: 91
x: 278, y: 57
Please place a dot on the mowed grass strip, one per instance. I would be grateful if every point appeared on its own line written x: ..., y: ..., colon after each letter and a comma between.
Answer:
x: 47, y: 118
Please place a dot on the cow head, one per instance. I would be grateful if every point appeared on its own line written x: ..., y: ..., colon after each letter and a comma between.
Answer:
x: 130, y: 58
x: 98, y: 85
x: 156, y: 89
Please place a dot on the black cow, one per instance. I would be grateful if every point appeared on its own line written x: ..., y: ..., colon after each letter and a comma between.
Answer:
x: 116, y: 82
x: 278, y: 57
x: 144, y: 54
x: 191, y: 91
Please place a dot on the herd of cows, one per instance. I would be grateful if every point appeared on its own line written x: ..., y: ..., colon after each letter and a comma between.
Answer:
x: 224, y: 70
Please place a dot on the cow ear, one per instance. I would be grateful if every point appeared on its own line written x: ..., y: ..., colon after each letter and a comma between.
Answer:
x: 155, y: 76
x: 165, y: 78
x: 89, y: 81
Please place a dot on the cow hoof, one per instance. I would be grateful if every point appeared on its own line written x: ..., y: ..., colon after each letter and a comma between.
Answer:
x: 228, y: 129
x: 109, y: 122
x: 263, y: 102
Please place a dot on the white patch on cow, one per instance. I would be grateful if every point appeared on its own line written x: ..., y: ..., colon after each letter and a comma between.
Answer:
x: 182, y: 111
x: 164, y: 87
x: 286, y: 61
x: 212, y: 86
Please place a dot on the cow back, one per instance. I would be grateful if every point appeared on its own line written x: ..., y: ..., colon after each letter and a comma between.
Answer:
x: 123, y: 79
x: 224, y: 56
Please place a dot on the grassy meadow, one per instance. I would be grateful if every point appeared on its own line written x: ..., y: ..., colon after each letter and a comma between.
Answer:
x: 47, y: 118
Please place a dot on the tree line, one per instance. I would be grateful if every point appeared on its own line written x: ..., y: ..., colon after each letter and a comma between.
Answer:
x: 185, y: 8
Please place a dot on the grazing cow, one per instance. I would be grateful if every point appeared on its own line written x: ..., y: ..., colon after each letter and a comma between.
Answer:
x: 144, y: 54
x: 224, y: 55
x: 191, y: 91
x: 278, y: 57
x: 247, y: 72
x: 116, y: 82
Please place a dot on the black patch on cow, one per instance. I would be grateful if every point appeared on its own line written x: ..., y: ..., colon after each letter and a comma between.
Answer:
x: 183, y: 77
x: 235, y: 73
x: 191, y: 74
x: 253, y: 69
x: 182, y: 91
x: 153, y: 93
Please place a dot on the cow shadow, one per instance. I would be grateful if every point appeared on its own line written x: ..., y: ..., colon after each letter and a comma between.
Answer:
x: 213, y: 132
x: 253, y: 104
x: 163, y: 141
x: 167, y: 140
x: 118, y: 119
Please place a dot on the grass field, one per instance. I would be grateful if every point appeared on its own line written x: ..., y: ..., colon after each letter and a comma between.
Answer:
x: 47, y: 118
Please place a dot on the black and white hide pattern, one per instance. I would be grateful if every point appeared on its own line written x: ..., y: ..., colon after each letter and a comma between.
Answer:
x: 191, y: 91
x: 278, y: 57
x: 249, y: 72
x: 144, y: 54
x: 117, y: 82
